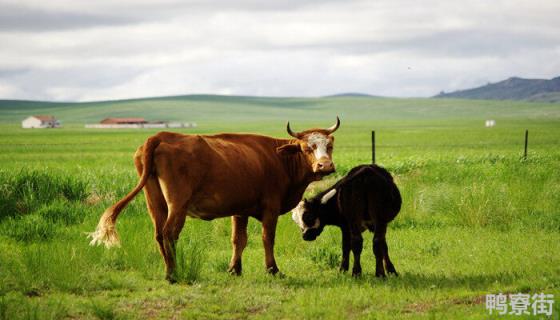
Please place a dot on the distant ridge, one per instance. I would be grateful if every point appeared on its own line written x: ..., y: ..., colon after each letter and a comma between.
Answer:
x: 351, y: 95
x: 512, y: 89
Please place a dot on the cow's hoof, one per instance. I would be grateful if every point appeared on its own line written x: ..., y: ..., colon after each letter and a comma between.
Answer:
x: 381, y: 276
x: 171, y: 279
x: 394, y: 272
x: 234, y: 272
x: 235, y: 269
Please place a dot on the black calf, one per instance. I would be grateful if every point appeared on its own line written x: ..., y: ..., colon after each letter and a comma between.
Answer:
x: 366, y: 198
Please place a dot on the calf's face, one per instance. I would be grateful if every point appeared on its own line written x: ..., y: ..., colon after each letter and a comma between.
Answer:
x: 307, y: 215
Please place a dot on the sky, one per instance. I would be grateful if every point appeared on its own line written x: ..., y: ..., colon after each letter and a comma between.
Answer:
x: 74, y: 50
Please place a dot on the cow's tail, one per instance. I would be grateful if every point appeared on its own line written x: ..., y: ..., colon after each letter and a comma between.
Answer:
x: 105, y: 233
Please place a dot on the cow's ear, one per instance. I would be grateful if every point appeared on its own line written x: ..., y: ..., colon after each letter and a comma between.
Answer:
x: 328, y: 196
x: 288, y: 149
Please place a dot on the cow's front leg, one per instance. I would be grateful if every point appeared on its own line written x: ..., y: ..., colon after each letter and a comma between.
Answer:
x: 238, y: 242
x: 346, y: 246
x: 268, y: 233
x: 357, y: 244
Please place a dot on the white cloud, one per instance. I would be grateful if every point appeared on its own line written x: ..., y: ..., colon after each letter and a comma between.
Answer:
x: 96, y: 50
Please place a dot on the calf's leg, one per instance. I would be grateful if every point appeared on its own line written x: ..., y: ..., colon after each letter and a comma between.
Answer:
x: 388, y: 264
x: 346, y: 246
x: 238, y: 242
x: 357, y: 245
x: 379, y: 248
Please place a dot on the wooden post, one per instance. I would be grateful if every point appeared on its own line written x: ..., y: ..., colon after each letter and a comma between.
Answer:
x: 373, y: 146
x: 526, y: 141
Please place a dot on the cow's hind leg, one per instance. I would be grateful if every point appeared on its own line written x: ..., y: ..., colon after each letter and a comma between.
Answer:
x: 238, y: 242
x: 380, y: 249
x: 155, y: 202
x: 268, y: 234
x: 158, y: 211
x: 171, y: 230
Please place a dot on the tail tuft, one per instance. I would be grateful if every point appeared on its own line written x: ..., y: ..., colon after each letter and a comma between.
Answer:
x: 105, y: 233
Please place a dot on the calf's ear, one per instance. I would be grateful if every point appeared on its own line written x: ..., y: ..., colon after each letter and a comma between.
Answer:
x: 328, y: 196
x: 288, y: 149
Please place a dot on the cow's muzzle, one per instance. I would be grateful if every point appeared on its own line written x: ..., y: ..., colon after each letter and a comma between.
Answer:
x: 325, y: 166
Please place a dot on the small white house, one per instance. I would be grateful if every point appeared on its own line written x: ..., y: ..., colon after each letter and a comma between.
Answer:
x: 40, y: 122
x: 490, y: 123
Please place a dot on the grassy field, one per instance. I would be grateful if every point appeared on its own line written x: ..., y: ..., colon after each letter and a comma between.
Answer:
x: 477, y: 219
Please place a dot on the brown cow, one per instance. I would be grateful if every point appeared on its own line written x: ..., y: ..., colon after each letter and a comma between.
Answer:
x: 214, y: 176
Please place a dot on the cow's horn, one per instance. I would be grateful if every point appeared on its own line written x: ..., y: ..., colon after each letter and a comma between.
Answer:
x: 334, y: 127
x: 290, y: 132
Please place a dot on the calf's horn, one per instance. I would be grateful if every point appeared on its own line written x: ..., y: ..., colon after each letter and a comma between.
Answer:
x: 328, y: 196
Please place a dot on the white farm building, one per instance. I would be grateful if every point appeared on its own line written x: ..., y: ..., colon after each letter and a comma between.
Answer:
x: 40, y: 122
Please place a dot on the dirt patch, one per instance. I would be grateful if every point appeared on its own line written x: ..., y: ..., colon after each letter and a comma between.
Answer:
x: 469, y: 300
x: 427, y: 306
x: 418, y: 307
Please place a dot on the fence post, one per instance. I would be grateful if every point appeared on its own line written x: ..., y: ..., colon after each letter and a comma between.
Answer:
x: 373, y: 146
x: 526, y: 141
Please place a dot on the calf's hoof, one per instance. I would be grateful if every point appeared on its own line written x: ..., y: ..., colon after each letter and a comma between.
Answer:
x: 393, y: 272
x: 356, y: 272
x: 272, y: 270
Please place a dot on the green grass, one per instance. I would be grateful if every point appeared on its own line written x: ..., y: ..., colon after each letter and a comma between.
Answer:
x: 477, y: 218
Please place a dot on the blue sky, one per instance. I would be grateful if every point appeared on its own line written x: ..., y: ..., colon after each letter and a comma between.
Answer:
x: 97, y: 50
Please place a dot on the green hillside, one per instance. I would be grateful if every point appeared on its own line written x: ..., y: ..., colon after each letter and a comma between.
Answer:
x: 219, y: 109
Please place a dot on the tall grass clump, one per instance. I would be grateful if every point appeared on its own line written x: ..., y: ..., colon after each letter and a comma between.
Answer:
x: 35, y: 205
x: 484, y: 191
x: 103, y: 310
x: 18, y: 306
x: 191, y: 257
x: 326, y: 257
x: 29, y: 228
x: 28, y: 190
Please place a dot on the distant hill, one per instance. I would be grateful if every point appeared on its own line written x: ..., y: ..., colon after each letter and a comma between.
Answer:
x: 219, y: 111
x: 512, y: 89
x: 351, y: 95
